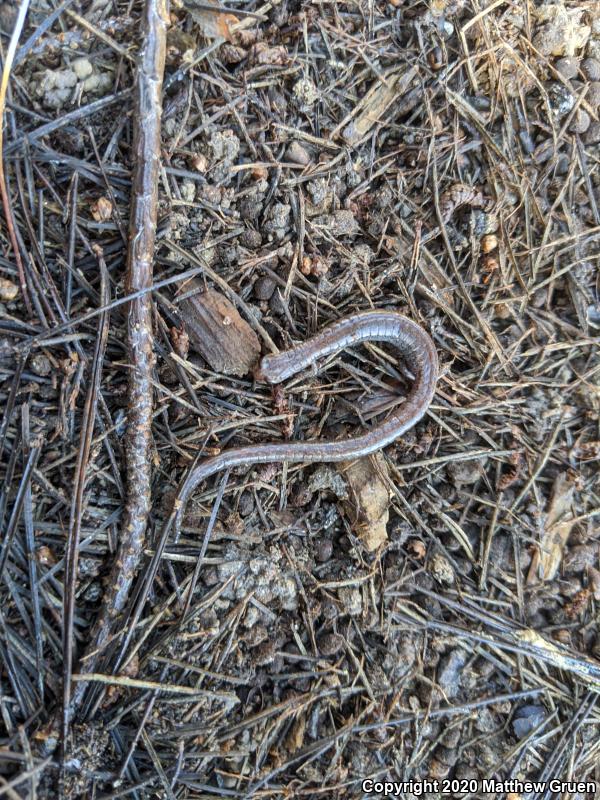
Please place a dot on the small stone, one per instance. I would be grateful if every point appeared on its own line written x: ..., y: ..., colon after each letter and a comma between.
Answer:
x: 561, y: 99
x: 441, y: 569
x: 593, y: 95
x: 264, y: 288
x: 278, y: 221
x: 317, y: 190
x: 298, y: 154
x: 581, y: 122
x: 330, y: 643
x: 591, y: 69
x: 567, y: 67
x: 306, y: 93
x: 351, y: 600
x: 40, y: 365
x: 199, y: 162
x: 449, y: 671
x: 592, y: 135
x: 225, y: 145
x: 526, y: 719
x: 343, y: 223
x: 8, y: 290
x: 323, y: 550
x: 188, y: 190
x: 251, y: 239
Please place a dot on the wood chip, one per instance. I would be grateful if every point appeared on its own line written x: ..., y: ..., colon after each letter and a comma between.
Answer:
x: 217, y: 331
x: 374, y: 104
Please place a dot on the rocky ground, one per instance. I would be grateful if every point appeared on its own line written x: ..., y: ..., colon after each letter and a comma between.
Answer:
x: 428, y: 614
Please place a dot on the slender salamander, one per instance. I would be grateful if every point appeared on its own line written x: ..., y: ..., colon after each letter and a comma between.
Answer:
x: 410, y: 339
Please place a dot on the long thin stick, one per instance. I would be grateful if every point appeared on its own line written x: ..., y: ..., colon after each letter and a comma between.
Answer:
x: 77, y: 506
x: 142, y: 230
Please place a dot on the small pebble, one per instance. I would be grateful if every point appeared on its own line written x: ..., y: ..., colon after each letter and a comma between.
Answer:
x: 441, y: 569
x: 40, y: 365
x: 449, y: 671
x: 526, y: 719
x: 8, y: 290
x: 591, y: 69
x: 323, y: 550
x: 330, y: 643
x: 593, y: 95
x: 568, y: 67
x: 561, y: 99
x: 581, y: 122
x: 592, y: 135
x: 251, y: 239
x: 264, y: 288
x: 351, y: 600
x: 343, y: 223
x: 298, y: 154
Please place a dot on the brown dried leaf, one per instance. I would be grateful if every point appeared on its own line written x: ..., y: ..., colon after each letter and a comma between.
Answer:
x: 557, y: 528
x: 368, y: 505
x: 102, y: 209
x: 213, y: 24
x: 295, y: 738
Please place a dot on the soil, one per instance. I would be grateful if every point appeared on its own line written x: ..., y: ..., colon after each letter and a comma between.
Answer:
x: 441, y: 159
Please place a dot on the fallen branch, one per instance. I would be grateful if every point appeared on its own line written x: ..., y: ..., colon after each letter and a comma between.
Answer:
x: 142, y: 230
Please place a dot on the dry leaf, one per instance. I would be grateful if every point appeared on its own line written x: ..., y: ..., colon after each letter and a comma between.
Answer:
x: 368, y: 506
x: 557, y: 527
x: 295, y: 738
x: 561, y: 32
x: 213, y: 24
x: 102, y: 209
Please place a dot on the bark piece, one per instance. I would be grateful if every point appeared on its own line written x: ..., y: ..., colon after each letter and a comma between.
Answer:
x: 368, y: 507
x: 371, y: 109
x: 218, y: 333
x: 556, y: 531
